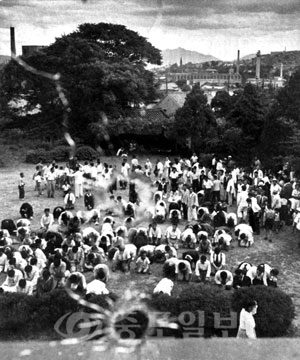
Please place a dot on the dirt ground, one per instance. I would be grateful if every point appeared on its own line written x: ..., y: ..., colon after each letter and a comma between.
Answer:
x: 282, y: 253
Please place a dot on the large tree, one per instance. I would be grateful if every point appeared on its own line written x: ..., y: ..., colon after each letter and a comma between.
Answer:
x: 244, y: 124
x: 195, y: 122
x: 102, y: 69
x: 280, y: 136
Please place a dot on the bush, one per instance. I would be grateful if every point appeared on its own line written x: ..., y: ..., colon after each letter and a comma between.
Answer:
x: 42, y: 145
x: 195, y: 307
x: 205, y: 159
x: 196, y: 310
x: 275, y: 309
x: 209, y: 300
x: 274, y: 316
x: 23, y: 315
x: 60, y: 153
x: 34, y: 156
x: 86, y: 153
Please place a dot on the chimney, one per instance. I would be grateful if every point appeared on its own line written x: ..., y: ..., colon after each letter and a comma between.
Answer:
x: 238, y: 62
x: 258, y: 65
x: 281, y: 71
x: 12, y: 42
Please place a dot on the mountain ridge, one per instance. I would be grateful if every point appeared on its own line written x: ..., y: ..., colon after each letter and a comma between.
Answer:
x: 172, y: 56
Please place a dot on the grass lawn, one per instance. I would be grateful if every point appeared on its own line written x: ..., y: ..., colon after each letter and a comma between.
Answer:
x: 282, y: 253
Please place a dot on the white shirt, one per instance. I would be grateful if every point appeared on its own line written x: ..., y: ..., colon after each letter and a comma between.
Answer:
x: 204, y: 267
x: 218, y: 279
x: 69, y: 197
x: 47, y: 221
x: 187, y: 265
x: 96, y: 287
x: 171, y: 234
x: 247, y: 323
x: 165, y: 286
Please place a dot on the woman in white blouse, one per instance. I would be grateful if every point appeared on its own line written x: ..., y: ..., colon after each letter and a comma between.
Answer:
x: 247, y: 322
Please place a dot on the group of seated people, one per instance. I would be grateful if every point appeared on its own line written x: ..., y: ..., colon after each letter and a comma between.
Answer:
x: 245, y: 275
x: 186, y: 231
x: 61, y: 252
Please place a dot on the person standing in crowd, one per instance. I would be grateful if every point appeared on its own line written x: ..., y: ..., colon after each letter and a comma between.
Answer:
x: 51, y: 183
x: 247, y: 322
x: 21, y: 186
x: 88, y: 199
x: 230, y: 190
x: 38, y: 182
x: 78, y: 182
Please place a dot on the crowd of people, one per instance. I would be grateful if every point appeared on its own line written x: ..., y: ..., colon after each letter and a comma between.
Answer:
x: 177, y: 213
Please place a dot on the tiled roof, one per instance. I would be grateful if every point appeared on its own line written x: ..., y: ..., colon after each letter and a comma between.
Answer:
x: 172, y: 102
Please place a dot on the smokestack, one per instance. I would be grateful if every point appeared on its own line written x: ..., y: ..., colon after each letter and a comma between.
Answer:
x: 12, y: 42
x: 238, y: 62
x: 258, y: 65
x: 281, y: 71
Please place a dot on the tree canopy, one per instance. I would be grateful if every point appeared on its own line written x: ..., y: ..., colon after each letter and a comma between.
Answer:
x: 102, y: 69
x: 195, y: 123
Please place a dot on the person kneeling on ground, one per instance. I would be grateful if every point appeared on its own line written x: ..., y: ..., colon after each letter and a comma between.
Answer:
x: 224, y: 278
x: 165, y: 286
x: 265, y: 275
x: 97, y: 286
x: 203, y: 269
x: 123, y: 257
x: 183, y: 270
x: 76, y: 282
x: 143, y: 264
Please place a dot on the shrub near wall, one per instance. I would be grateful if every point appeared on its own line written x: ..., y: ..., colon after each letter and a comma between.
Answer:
x: 25, y: 316
x: 86, y: 153
x: 60, y: 153
x: 275, y: 309
x: 194, y: 310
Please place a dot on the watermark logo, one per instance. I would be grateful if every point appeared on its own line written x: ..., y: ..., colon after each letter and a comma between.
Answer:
x: 82, y: 325
x: 77, y: 325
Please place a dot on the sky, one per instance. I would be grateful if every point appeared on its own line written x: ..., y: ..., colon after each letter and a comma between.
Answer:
x: 215, y: 27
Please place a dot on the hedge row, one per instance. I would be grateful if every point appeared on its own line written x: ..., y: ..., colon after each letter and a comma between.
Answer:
x: 197, y: 311
x: 59, y: 153
x: 273, y: 319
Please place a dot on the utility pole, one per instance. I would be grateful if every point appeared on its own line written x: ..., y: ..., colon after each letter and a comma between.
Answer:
x: 166, y: 82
